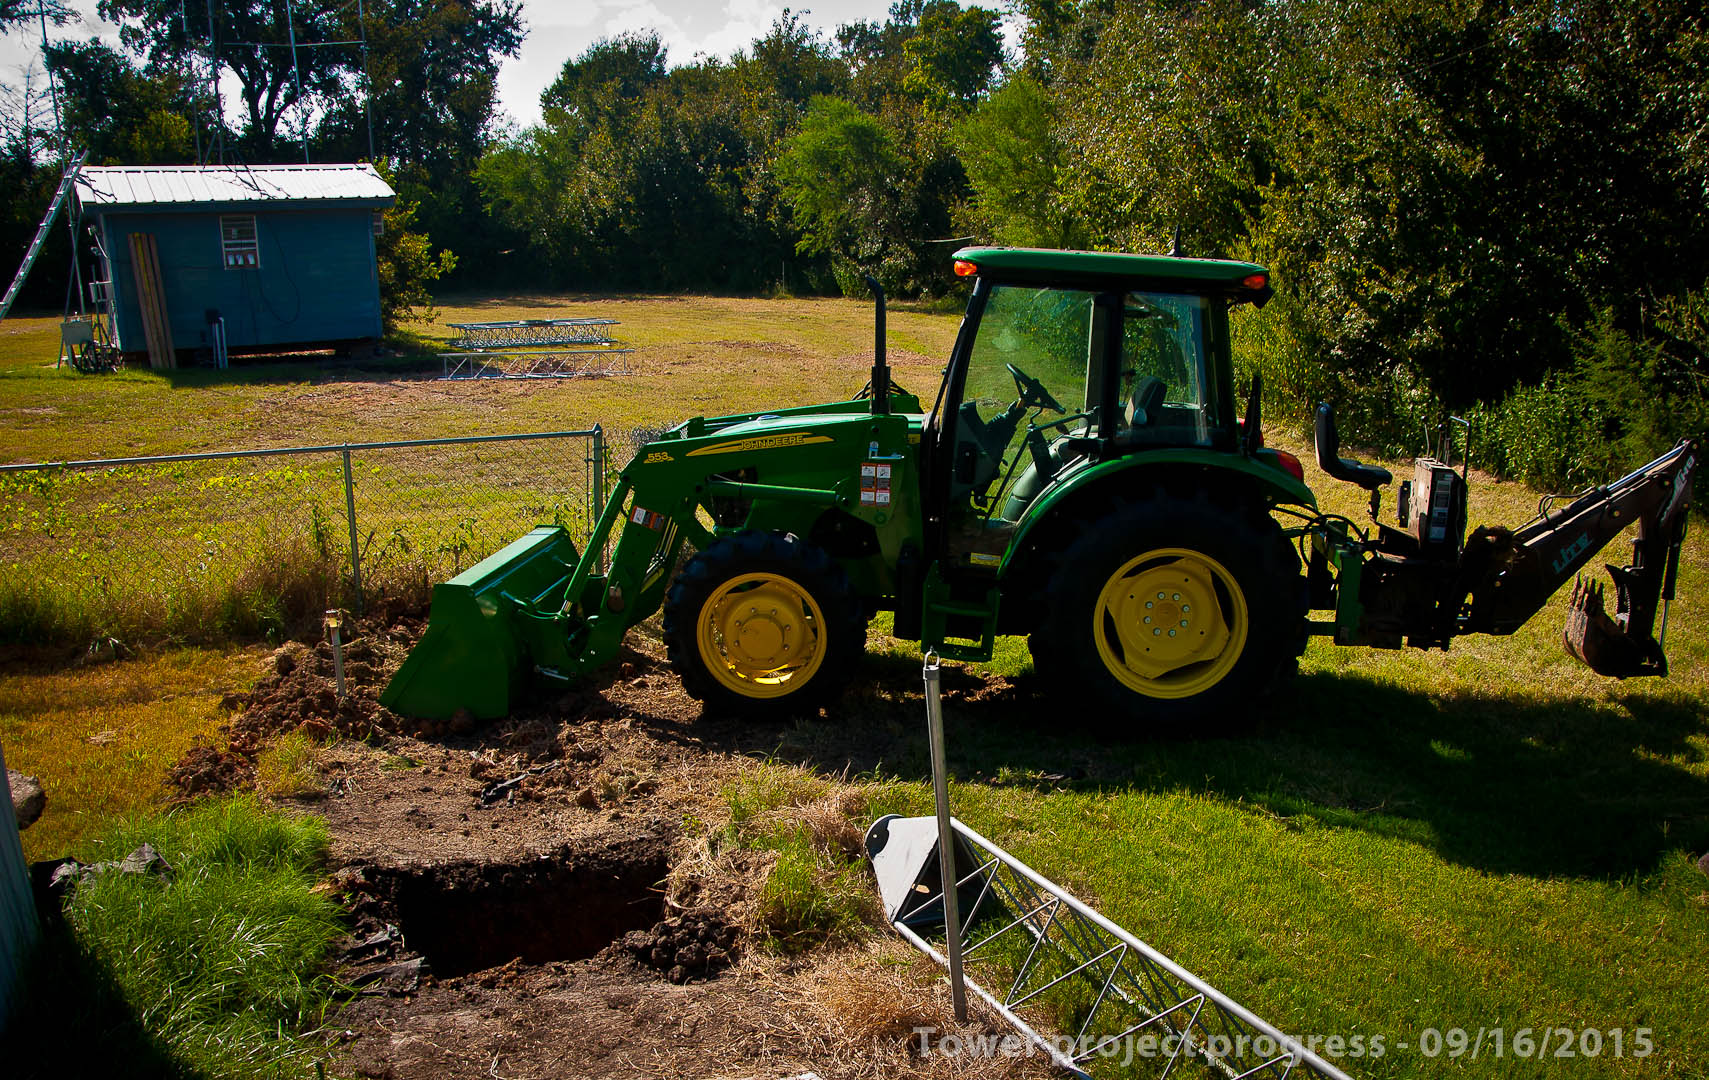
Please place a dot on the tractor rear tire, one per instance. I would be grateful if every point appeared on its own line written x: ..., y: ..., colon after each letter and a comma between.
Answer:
x: 1172, y: 616
x: 793, y: 647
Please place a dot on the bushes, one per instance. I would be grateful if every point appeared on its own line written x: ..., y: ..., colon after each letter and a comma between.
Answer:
x: 1623, y: 400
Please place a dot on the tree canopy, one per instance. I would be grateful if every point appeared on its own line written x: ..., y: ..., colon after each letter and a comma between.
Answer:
x: 1479, y: 202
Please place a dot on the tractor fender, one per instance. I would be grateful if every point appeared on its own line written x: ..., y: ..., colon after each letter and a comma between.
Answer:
x: 1088, y: 491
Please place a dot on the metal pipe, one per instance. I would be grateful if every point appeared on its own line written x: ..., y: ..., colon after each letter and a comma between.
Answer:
x: 291, y: 27
x: 331, y: 448
x: 736, y: 489
x: 334, y: 617
x: 1223, y: 1001
x: 946, y: 837
x: 1050, y: 1049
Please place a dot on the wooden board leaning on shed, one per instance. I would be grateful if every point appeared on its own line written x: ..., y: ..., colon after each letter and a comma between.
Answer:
x: 151, y: 296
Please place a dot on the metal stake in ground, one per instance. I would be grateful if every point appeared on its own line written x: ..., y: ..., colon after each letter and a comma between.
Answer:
x: 946, y: 839
x: 334, y: 618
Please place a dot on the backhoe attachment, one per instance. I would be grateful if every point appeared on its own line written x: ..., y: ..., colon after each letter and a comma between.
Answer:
x: 1516, y: 572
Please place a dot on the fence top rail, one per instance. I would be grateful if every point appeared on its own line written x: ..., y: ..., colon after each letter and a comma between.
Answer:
x: 329, y: 448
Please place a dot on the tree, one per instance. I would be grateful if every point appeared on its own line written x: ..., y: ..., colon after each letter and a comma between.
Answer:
x: 407, y: 264
x: 952, y: 54
x: 430, y: 94
x: 121, y: 114
x: 611, y: 75
x: 432, y: 68
x: 21, y: 13
x: 1013, y: 153
x: 853, y: 194
x: 252, y: 39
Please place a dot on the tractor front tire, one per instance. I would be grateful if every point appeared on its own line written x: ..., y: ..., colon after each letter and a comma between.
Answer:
x: 1172, y: 616
x: 762, y: 625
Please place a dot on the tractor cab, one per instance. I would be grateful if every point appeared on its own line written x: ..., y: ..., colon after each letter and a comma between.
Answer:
x: 1067, y: 360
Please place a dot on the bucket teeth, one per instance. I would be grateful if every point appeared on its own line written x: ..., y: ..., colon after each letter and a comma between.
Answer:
x: 1596, y: 639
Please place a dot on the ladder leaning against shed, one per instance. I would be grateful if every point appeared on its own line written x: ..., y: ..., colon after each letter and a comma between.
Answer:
x: 65, y: 183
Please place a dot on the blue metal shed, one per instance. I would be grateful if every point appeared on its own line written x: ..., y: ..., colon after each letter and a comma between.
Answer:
x: 283, y: 254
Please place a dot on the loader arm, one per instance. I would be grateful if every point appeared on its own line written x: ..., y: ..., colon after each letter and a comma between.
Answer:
x: 1510, y: 575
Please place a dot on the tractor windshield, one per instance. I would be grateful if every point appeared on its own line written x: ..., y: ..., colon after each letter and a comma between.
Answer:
x: 1034, y: 345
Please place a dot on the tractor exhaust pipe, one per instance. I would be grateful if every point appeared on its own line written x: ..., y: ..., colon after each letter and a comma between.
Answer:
x: 880, y: 362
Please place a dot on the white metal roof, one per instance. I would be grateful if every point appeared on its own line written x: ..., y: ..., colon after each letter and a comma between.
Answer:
x: 107, y: 187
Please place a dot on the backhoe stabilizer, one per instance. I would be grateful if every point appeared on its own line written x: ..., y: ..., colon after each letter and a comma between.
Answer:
x: 491, y: 627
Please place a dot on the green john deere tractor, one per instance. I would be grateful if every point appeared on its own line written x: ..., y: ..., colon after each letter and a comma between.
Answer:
x: 1085, y: 477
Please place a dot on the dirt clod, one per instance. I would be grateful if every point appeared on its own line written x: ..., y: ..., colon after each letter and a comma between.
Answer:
x: 693, y: 946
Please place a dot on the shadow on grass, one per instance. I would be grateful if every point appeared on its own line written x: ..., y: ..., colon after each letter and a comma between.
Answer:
x: 1501, y: 783
x: 416, y: 364
x: 71, y: 1019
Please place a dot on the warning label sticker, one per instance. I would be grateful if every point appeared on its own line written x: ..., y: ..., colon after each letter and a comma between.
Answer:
x: 875, y: 479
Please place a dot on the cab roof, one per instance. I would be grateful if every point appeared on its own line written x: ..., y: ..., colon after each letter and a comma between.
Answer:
x: 1047, y: 264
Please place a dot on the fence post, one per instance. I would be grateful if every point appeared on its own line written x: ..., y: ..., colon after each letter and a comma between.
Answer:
x: 598, y: 494
x: 350, y: 511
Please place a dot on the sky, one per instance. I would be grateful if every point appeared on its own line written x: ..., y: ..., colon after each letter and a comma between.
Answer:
x: 556, y: 32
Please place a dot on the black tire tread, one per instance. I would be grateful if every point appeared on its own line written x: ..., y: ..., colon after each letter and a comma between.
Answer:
x: 750, y: 551
x: 1270, y: 575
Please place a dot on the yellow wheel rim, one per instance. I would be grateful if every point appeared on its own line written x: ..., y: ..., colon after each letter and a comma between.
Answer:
x: 1170, y: 623
x: 761, y: 635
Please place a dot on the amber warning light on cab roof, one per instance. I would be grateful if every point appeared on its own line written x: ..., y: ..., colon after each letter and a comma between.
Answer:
x: 1256, y: 281
x: 964, y: 268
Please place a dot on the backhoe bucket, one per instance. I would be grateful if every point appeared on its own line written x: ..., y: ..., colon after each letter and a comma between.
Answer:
x: 1601, y: 642
x: 485, y: 629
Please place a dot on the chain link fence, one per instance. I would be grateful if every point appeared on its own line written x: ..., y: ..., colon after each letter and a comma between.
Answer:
x: 260, y: 543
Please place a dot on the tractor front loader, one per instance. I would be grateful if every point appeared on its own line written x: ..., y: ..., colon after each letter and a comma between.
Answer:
x: 1085, y: 477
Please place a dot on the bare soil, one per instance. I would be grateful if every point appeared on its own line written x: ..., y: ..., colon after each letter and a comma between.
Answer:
x: 526, y: 895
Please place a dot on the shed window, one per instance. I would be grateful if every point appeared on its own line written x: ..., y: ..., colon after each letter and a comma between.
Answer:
x: 237, y: 241
x: 379, y: 224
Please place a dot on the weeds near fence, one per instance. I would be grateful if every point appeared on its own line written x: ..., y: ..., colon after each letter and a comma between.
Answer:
x: 257, y: 547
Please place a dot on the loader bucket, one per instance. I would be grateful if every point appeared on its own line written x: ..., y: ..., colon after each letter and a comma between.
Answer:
x: 486, y: 623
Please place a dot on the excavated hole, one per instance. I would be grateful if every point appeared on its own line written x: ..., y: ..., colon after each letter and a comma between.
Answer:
x: 568, y: 905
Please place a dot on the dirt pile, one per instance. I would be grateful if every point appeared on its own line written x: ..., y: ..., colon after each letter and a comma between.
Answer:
x: 685, y: 947
x: 298, y: 692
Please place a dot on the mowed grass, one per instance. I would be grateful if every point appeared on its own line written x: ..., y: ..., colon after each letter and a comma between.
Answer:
x: 1488, y: 837
x: 103, y: 737
x: 692, y: 355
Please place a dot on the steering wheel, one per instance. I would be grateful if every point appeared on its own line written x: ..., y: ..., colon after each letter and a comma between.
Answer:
x: 1033, y: 393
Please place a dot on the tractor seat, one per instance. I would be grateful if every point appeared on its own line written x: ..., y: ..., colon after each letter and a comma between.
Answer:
x: 1141, y: 414
x: 1147, y: 400
x: 1329, y: 459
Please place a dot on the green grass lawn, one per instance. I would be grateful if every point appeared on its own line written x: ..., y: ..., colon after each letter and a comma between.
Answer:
x: 1489, y: 837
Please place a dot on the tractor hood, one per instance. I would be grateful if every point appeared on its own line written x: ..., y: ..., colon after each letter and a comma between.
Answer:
x: 779, y: 422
